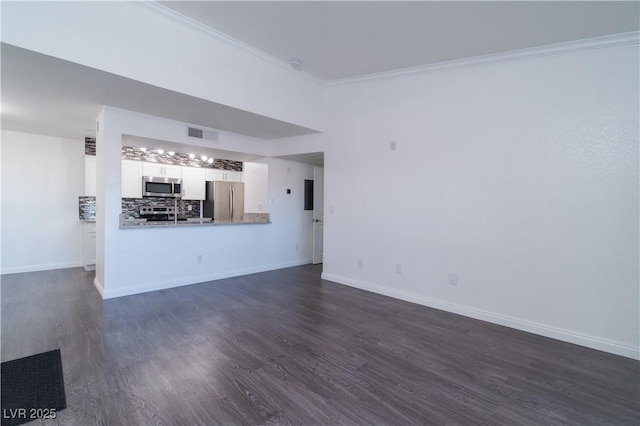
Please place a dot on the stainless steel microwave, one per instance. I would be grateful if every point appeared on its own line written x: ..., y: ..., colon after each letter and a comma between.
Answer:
x: 161, y: 187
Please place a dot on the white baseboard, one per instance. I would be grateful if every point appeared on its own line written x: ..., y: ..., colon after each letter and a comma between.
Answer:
x: 182, y: 281
x: 594, y: 342
x: 41, y: 267
x: 98, y: 285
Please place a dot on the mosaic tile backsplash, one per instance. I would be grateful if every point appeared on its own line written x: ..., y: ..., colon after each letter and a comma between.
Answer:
x: 131, y: 206
x: 129, y: 153
x: 89, y: 146
x: 87, y: 207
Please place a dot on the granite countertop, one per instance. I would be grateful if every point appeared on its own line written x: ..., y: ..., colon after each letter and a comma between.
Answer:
x: 139, y: 225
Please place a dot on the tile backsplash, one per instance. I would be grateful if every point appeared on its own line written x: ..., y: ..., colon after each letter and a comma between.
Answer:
x: 131, y: 206
x: 89, y: 146
x: 178, y: 159
x: 87, y: 208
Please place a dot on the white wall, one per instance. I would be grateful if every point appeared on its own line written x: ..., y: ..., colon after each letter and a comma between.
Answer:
x: 520, y: 177
x: 42, y: 178
x: 297, y: 145
x: 292, y: 224
x: 133, y: 40
x: 256, y: 188
x: 136, y: 260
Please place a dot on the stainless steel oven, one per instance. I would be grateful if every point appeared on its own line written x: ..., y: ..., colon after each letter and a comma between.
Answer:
x: 161, y: 187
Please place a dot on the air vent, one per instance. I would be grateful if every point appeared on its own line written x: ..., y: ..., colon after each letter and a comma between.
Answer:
x: 197, y: 133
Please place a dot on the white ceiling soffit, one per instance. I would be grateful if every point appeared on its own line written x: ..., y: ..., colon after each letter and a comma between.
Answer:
x: 46, y: 95
x: 338, y: 40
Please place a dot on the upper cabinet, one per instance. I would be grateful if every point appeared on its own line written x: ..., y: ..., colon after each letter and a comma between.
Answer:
x: 90, y: 175
x: 131, y: 179
x: 225, y: 175
x: 161, y: 170
x: 193, y: 183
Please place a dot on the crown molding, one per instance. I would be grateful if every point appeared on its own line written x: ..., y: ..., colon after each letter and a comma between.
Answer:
x: 585, y: 45
x: 155, y: 6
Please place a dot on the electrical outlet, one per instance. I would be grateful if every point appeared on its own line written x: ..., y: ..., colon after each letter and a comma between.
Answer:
x: 453, y: 279
x: 199, y: 258
x: 392, y: 145
x: 398, y: 269
x: 360, y: 263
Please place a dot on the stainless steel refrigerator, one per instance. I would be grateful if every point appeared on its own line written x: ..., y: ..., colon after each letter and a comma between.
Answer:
x: 224, y: 201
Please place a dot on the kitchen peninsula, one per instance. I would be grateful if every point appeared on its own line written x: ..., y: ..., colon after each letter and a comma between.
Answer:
x: 188, y: 175
x: 250, y: 219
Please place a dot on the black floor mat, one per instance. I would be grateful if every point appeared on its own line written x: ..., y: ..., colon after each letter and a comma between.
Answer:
x: 32, y: 388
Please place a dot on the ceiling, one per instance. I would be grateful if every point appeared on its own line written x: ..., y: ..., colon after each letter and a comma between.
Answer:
x: 46, y: 95
x: 337, y: 40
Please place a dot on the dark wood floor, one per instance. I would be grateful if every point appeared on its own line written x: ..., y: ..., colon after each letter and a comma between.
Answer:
x: 287, y: 347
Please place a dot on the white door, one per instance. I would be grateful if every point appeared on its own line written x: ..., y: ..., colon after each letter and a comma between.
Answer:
x: 318, y: 213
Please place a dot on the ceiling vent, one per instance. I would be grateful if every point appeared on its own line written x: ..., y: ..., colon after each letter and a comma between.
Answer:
x: 204, y: 134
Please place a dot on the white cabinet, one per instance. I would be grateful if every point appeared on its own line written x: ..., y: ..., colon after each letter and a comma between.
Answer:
x: 131, y: 179
x: 89, y: 247
x: 161, y: 170
x: 90, y: 175
x: 193, y: 183
x: 256, y: 187
x: 226, y: 175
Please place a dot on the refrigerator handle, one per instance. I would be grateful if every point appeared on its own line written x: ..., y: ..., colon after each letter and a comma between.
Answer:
x: 230, y: 202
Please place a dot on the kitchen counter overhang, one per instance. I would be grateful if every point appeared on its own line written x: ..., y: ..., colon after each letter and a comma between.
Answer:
x: 137, y: 224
